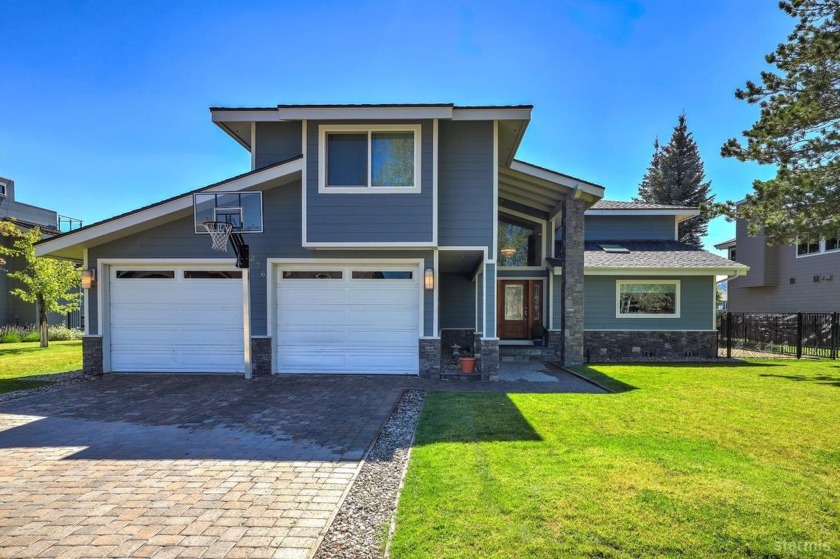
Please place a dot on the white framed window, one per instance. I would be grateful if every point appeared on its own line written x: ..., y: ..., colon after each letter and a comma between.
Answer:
x: 368, y: 159
x: 647, y: 298
x: 2, y: 188
x: 831, y: 244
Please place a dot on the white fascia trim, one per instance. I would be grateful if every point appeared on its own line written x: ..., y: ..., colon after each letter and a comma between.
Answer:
x: 557, y: 178
x: 181, y: 203
x: 495, y: 242
x: 352, y: 246
x: 244, y: 116
x: 478, y: 113
x: 360, y: 113
x: 662, y: 271
x: 86, y: 295
x: 688, y: 213
x: 435, y: 155
x: 303, y: 182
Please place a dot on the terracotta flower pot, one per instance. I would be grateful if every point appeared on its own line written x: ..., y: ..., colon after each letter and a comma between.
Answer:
x: 467, y: 365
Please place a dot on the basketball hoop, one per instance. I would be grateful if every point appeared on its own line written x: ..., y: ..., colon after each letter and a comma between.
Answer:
x: 219, y: 233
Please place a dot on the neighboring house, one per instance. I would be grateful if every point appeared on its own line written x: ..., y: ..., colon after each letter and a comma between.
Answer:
x: 647, y: 295
x: 389, y: 233
x: 26, y: 217
x: 784, y: 278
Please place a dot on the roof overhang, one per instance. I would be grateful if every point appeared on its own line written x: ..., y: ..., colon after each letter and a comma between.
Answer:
x: 653, y: 271
x: 543, y: 189
x: 237, y: 122
x: 73, y: 244
x: 725, y: 245
x: 680, y: 214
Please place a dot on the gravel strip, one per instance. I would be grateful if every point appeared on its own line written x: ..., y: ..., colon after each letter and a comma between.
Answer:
x: 360, y: 529
x: 57, y: 380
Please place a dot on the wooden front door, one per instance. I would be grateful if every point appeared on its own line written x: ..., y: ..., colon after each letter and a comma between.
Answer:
x: 519, y: 306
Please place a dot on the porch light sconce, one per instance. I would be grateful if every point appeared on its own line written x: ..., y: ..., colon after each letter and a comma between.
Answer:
x: 429, y: 279
x: 88, y: 278
x: 507, y: 252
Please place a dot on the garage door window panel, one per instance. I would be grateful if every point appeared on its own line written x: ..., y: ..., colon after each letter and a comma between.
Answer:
x: 145, y: 274
x: 383, y: 275
x: 319, y: 275
x: 212, y: 274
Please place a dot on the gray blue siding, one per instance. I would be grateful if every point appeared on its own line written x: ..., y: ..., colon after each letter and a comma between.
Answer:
x: 277, y: 141
x: 696, y: 296
x: 281, y: 239
x: 457, y: 301
x: 465, y: 183
x: 375, y: 217
x: 630, y: 228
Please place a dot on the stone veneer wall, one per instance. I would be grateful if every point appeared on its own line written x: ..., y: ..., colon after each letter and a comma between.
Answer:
x: 464, y: 337
x: 489, y: 359
x: 648, y: 345
x: 430, y: 359
x: 261, y: 356
x: 572, y: 291
x: 92, y: 355
x: 555, y: 341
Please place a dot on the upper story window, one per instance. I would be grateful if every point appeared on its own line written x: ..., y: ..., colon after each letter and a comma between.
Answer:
x: 2, y: 188
x: 519, y: 242
x: 732, y: 254
x: 824, y: 245
x: 366, y: 159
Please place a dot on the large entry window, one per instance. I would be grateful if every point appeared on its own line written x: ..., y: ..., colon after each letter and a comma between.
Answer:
x: 519, y: 242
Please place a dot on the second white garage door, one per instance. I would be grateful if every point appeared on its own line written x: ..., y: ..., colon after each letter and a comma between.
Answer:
x: 347, y: 319
x: 176, y: 319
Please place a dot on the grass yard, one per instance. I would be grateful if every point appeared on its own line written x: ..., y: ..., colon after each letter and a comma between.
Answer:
x: 686, y: 460
x: 18, y: 361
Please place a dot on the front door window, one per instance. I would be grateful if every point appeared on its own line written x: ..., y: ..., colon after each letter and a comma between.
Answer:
x: 520, y: 306
x: 514, y: 302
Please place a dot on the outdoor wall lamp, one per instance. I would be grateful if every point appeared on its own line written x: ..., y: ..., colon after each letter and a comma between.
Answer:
x: 88, y: 278
x: 429, y: 279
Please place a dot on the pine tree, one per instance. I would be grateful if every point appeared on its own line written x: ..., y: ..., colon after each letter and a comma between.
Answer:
x: 676, y: 176
x: 798, y: 131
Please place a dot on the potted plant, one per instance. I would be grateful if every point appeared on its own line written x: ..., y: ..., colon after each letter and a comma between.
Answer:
x: 537, y: 333
x: 467, y: 363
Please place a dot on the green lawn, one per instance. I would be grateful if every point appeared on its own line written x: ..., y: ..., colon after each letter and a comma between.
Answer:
x: 685, y: 460
x: 27, y: 359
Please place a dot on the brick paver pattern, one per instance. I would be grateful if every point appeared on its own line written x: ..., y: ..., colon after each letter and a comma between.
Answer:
x: 182, y: 466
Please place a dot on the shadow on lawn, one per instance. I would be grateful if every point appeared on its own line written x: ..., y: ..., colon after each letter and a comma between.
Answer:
x: 819, y: 379
x: 469, y: 418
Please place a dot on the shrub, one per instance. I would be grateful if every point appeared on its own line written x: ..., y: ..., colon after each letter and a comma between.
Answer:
x: 64, y: 334
x: 31, y: 337
x: 10, y: 338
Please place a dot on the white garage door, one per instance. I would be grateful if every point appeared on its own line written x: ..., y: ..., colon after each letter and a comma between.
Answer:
x: 347, y: 319
x: 176, y: 319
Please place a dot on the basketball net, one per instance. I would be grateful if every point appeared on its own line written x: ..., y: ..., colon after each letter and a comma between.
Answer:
x: 219, y: 233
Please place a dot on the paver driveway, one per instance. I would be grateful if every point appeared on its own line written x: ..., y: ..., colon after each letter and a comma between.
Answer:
x: 182, y: 466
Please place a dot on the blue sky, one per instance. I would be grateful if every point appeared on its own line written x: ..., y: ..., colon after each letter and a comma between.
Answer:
x: 103, y: 106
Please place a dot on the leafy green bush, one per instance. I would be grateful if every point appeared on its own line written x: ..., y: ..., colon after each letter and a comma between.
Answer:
x: 31, y: 337
x: 10, y: 338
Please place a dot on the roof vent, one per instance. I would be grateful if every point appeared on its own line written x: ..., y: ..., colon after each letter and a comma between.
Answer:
x: 614, y: 248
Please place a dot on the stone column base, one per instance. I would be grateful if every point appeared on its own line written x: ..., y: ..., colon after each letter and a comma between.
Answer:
x: 260, y: 356
x: 92, y: 355
x: 555, y: 342
x: 490, y: 359
x: 429, y: 357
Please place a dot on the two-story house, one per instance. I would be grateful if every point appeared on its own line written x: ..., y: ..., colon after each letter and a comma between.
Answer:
x: 784, y: 278
x: 377, y: 235
x: 26, y: 217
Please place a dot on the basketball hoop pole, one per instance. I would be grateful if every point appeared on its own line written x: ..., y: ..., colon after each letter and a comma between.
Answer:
x: 243, y: 258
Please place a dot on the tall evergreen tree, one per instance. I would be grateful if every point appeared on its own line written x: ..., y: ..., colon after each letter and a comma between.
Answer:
x: 676, y: 176
x: 798, y: 130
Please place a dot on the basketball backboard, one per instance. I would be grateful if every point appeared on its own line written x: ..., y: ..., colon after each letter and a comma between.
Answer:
x: 243, y: 210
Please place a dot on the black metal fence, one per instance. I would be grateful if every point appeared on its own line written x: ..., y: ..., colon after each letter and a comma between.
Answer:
x: 793, y: 334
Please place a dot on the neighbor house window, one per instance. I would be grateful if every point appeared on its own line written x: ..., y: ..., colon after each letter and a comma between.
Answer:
x: 648, y: 299
x: 367, y: 159
x: 824, y: 245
